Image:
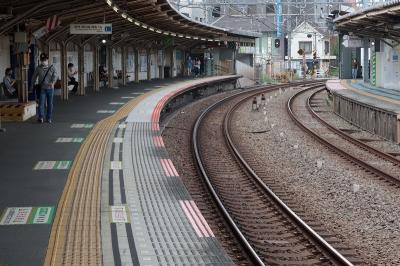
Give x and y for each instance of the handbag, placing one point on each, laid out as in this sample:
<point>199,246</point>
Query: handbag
<point>37,89</point>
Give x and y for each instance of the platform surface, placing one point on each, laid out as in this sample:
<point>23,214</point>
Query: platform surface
<point>148,217</point>
<point>166,225</point>
<point>357,90</point>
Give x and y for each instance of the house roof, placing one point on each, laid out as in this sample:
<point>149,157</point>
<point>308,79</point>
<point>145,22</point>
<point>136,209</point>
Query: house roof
<point>306,24</point>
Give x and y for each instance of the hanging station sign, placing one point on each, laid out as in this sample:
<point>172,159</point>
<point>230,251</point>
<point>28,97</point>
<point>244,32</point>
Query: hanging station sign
<point>90,28</point>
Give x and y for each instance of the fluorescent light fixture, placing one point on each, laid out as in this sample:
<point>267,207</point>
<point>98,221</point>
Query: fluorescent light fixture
<point>216,40</point>
<point>210,40</point>
<point>195,37</point>
<point>150,28</point>
<point>166,33</point>
<point>181,36</point>
<point>144,26</point>
<point>124,15</point>
<point>158,31</point>
<point>115,9</point>
<point>188,37</point>
<point>109,2</point>
<point>173,34</point>
<point>137,23</point>
<point>203,39</point>
<point>130,19</point>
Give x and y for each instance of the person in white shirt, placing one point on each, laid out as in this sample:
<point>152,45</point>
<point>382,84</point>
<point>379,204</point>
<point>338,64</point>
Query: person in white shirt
<point>10,84</point>
<point>71,76</point>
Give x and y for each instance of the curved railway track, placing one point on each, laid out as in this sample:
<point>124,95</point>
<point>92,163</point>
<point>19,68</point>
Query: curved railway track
<point>380,164</point>
<point>267,228</point>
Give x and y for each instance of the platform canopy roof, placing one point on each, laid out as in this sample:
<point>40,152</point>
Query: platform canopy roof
<point>379,21</point>
<point>138,21</point>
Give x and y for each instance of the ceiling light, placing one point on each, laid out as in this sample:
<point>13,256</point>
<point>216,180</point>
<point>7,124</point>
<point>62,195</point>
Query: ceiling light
<point>109,2</point>
<point>103,41</point>
<point>115,9</point>
<point>137,23</point>
<point>130,19</point>
<point>124,15</point>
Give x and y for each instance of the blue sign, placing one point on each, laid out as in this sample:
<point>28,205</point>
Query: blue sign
<point>279,18</point>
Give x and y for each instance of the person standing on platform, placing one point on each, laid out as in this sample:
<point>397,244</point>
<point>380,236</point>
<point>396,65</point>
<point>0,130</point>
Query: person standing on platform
<point>354,68</point>
<point>47,76</point>
<point>71,76</point>
<point>10,84</point>
<point>189,66</point>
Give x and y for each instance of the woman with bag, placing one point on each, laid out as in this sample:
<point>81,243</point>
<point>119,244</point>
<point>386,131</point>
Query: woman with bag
<point>45,88</point>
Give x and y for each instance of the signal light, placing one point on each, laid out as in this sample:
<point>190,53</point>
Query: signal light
<point>277,43</point>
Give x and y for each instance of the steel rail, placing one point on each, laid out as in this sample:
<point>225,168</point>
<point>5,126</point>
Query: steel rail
<point>348,137</point>
<point>335,149</point>
<point>199,162</point>
<point>333,253</point>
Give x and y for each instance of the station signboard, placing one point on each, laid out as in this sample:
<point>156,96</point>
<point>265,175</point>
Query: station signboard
<point>90,28</point>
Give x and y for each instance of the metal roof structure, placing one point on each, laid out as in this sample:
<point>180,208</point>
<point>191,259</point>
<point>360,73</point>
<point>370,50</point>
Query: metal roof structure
<point>379,21</point>
<point>139,21</point>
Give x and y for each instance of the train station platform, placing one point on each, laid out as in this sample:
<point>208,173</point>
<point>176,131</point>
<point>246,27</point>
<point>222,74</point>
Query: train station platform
<point>371,108</point>
<point>97,187</point>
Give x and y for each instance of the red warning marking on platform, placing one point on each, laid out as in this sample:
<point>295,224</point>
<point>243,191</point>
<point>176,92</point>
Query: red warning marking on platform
<point>202,219</point>
<point>195,217</point>
<point>198,232</point>
<point>169,168</point>
<point>158,141</point>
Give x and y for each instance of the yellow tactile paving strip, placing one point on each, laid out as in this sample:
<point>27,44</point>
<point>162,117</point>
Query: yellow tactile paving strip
<point>75,234</point>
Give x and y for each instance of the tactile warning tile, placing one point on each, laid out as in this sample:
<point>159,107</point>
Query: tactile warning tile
<point>156,195</point>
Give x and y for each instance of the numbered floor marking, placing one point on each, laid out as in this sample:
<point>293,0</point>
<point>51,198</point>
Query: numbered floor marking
<point>116,165</point>
<point>52,165</point>
<point>137,93</point>
<point>27,215</point>
<point>81,125</point>
<point>118,140</point>
<point>117,103</point>
<point>69,140</point>
<point>119,214</point>
<point>127,97</point>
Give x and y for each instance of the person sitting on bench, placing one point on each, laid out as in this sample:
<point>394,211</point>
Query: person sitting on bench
<point>9,84</point>
<point>71,76</point>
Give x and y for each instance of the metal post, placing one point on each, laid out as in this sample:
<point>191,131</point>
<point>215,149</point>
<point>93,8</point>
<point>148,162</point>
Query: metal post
<point>136,65</point>
<point>81,69</point>
<point>64,70</point>
<point>124,61</point>
<point>96,82</point>
<point>148,53</point>
<point>110,67</point>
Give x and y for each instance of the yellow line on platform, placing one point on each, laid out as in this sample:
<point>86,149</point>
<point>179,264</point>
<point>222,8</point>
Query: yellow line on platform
<point>75,234</point>
<point>379,97</point>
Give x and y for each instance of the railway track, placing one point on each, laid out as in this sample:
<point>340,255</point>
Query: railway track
<point>268,229</point>
<point>301,107</point>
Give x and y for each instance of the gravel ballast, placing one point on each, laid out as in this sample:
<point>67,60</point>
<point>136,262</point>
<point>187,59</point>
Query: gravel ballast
<point>361,209</point>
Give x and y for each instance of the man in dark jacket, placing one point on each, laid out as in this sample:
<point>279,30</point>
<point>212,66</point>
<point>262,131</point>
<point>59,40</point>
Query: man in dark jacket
<point>47,76</point>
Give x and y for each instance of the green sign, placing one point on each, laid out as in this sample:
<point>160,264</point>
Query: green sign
<point>373,68</point>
